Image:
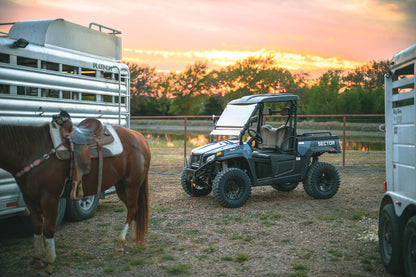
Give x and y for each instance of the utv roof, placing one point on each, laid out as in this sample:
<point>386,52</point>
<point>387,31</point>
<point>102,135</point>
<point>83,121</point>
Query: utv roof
<point>258,98</point>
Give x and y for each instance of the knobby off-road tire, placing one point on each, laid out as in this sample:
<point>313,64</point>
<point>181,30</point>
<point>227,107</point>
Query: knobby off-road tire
<point>191,188</point>
<point>390,237</point>
<point>81,209</point>
<point>321,181</point>
<point>232,188</point>
<point>409,247</point>
<point>285,186</point>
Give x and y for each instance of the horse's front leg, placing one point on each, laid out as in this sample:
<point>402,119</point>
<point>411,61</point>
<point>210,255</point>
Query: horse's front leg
<point>38,243</point>
<point>50,211</point>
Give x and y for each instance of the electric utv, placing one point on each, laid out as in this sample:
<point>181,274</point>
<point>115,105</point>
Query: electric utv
<point>255,154</point>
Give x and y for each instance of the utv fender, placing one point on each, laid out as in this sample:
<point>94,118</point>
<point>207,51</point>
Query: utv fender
<point>246,163</point>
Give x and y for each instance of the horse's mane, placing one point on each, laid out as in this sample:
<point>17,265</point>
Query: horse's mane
<point>25,138</point>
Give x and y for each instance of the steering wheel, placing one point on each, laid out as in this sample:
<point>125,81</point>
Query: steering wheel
<point>254,136</point>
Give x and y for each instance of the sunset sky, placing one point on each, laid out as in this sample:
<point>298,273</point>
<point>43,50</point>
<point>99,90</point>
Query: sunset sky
<point>303,35</point>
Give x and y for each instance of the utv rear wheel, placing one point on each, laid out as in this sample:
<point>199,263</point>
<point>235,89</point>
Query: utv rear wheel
<point>285,186</point>
<point>321,181</point>
<point>193,189</point>
<point>232,188</point>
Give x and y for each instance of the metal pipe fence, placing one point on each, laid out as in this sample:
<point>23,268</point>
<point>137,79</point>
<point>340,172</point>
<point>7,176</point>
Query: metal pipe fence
<point>344,118</point>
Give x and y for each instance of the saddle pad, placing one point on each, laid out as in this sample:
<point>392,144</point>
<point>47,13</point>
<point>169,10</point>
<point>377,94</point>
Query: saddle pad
<point>113,149</point>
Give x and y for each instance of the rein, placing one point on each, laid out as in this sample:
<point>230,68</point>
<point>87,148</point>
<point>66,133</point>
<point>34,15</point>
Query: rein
<point>35,163</point>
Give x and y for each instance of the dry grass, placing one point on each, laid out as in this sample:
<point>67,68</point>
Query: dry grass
<point>273,234</point>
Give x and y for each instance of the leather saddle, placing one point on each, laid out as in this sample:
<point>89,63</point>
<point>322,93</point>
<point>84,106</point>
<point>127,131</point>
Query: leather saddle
<point>90,139</point>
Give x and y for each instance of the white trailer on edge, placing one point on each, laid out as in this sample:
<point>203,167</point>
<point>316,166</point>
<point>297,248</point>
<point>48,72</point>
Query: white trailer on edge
<point>397,217</point>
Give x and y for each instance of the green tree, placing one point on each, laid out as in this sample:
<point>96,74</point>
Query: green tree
<point>188,90</point>
<point>322,97</point>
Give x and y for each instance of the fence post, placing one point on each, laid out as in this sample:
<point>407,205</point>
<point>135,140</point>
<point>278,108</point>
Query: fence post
<point>184,139</point>
<point>344,147</point>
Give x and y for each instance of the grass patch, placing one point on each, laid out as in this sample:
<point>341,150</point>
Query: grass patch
<point>227,258</point>
<point>136,262</point>
<point>242,258</point>
<point>300,267</point>
<point>177,269</point>
<point>242,268</point>
<point>335,253</point>
<point>109,268</point>
<point>119,209</point>
<point>191,232</point>
<point>357,216</point>
<point>210,249</point>
<point>169,257</point>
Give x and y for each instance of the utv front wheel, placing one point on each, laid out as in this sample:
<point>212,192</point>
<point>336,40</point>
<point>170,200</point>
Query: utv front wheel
<point>321,181</point>
<point>193,189</point>
<point>232,188</point>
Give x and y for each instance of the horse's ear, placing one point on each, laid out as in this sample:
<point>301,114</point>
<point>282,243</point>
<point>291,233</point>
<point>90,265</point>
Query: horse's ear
<point>65,114</point>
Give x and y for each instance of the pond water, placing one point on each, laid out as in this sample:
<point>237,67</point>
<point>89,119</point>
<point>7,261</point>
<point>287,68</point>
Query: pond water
<point>365,143</point>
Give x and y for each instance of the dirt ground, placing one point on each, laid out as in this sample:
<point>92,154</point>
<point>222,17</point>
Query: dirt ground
<point>273,234</point>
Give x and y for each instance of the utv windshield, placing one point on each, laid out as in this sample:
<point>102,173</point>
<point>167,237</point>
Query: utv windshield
<point>233,119</point>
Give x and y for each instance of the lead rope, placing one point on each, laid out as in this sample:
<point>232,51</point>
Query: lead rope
<point>36,162</point>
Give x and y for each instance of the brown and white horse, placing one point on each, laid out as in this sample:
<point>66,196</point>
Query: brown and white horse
<point>43,184</point>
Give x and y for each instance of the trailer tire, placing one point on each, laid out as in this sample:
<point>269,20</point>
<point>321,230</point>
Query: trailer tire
<point>409,247</point>
<point>232,188</point>
<point>285,186</point>
<point>193,189</point>
<point>81,209</point>
<point>390,237</point>
<point>322,180</point>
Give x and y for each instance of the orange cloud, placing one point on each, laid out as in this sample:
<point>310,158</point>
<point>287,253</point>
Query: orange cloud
<point>177,60</point>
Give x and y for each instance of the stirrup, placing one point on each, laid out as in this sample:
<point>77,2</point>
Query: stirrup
<point>77,193</point>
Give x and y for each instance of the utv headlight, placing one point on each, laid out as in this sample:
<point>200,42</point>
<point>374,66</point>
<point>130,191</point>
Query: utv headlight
<point>210,158</point>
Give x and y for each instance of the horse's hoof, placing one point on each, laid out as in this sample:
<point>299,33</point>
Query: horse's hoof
<point>118,253</point>
<point>42,273</point>
<point>35,263</point>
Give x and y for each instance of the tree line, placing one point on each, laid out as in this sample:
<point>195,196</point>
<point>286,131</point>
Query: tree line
<point>200,91</point>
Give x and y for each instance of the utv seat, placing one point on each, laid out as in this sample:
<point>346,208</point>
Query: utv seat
<point>275,138</point>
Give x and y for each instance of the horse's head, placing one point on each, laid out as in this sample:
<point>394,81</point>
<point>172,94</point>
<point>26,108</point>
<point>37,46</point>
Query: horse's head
<point>63,119</point>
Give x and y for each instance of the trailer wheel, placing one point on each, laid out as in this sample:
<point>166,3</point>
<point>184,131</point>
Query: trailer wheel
<point>232,188</point>
<point>321,181</point>
<point>81,209</point>
<point>285,186</point>
<point>390,235</point>
<point>193,189</point>
<point>409,247</point>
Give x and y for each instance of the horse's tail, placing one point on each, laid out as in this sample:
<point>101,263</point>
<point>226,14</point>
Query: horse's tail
<point>142,214</point>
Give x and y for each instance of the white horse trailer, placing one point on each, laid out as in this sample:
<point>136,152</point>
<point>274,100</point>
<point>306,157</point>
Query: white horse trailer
<point>397,217</point>
<point>50,65</point>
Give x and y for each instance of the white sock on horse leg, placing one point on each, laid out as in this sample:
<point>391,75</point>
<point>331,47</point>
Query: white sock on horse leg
<point>50,250</point>
<point>38,245</point>
<point>123,234</point>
